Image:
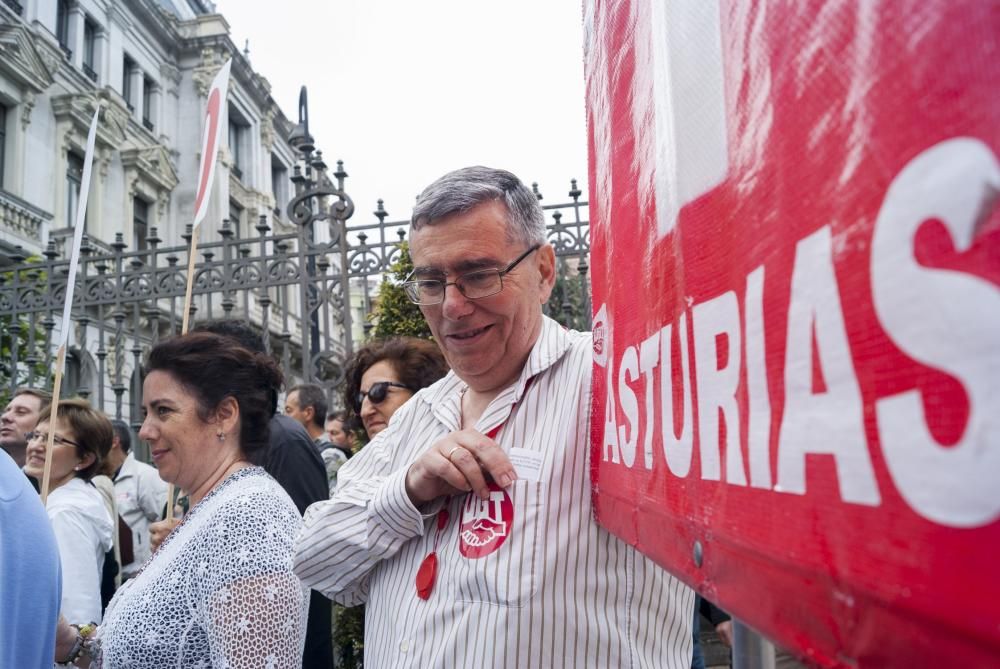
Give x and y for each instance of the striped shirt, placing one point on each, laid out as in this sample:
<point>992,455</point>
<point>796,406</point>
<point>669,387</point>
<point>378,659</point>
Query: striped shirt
<point>557,591</point>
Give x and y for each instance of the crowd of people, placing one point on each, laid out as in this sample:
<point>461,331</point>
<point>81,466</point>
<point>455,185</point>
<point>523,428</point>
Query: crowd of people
<point>464,524</point>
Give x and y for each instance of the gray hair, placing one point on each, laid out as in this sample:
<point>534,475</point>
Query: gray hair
<point>459,191</point>
<point>311,395</point>
<point>124,434</point>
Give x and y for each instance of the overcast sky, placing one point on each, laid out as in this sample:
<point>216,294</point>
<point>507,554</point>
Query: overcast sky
<point>405,91</point>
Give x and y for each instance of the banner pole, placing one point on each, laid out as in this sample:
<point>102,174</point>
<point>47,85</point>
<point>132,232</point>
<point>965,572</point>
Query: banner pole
<point>192,252</point>
<point>53,418</point>
<point>750,649</point>
<point>74,263</point>
<point>185,322</point>
<point>214,115</point>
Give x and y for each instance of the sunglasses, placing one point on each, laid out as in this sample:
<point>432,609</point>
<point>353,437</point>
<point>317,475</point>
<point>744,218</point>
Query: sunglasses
<point>377,393</point>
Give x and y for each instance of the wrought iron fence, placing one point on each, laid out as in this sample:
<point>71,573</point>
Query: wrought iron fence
<point>301,288</point>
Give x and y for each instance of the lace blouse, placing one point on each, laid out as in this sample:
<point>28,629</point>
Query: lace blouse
<point>220,591</point>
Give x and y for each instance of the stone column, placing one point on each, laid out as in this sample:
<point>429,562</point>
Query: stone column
<point>42,12</point>
<point>64,132</point>
<point>119,25</point>
<point>155,102</point>
<point>135,77</point>
<point>102,55</point>
<point>75,33</point>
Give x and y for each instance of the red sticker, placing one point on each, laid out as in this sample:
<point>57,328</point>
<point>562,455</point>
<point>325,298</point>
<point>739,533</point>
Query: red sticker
<point>486,523</point>
<point>426,576</point>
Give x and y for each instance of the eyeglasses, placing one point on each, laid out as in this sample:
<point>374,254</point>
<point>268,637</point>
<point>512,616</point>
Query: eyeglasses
<point>377,393</point>
<point>473,285</point>
<point>43,436</point>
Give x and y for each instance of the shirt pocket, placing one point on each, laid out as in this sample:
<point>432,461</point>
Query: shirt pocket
<point>497,552</point>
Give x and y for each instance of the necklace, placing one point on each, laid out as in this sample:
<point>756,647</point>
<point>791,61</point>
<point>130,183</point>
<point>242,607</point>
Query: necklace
<point>461,407</point>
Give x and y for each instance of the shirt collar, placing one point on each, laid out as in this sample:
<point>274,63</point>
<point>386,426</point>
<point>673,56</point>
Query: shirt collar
<point>444,396</point>
<point>128,467</point>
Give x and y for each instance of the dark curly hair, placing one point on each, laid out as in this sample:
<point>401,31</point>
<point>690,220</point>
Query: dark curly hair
<point>417,362</point>
<point>245,335</point>
<point>212,369</point>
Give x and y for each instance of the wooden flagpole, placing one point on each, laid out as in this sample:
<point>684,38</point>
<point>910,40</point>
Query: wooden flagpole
<point>206,178</point>
<point>74,263</point>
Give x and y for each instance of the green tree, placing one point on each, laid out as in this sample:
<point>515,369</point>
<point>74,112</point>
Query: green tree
<point>393,313</point>
<point>567,304</point>
<point>15,334</point>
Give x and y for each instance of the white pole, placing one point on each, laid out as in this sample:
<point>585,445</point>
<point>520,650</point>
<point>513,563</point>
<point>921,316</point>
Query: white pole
<point>750,649</point>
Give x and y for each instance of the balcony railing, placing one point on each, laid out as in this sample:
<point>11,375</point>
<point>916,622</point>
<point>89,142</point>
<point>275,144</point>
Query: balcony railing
<point>89,71</point>
<point>147,124</point>
<point>21,218</point>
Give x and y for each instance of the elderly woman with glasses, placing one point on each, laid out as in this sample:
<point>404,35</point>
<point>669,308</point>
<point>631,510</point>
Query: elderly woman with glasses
<point>79,518</point>
<point>219,591</point>
<point>383,374</point>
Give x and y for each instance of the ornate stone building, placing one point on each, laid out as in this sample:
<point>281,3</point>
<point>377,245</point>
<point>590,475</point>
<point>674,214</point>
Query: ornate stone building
<point>149,64</point>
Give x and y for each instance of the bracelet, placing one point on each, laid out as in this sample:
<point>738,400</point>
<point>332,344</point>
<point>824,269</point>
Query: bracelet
<point>74,652</point>
<point>81,645</point>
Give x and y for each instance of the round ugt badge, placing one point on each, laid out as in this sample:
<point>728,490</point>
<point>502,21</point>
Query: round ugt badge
<point>485,523</point>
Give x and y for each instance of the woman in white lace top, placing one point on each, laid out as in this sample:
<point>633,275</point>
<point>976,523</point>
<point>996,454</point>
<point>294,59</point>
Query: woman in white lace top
<point>219,591</point>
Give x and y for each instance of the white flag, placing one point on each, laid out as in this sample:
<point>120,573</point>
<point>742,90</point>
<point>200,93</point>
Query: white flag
<point>210,141</point>
<point>81,217</point>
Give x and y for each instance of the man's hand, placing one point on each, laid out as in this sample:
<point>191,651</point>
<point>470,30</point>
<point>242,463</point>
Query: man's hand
<point>725,632</point>
<point>459,462</point>
<point>159,530</point>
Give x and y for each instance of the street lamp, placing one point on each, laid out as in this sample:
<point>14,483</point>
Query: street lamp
<point>316,199</point>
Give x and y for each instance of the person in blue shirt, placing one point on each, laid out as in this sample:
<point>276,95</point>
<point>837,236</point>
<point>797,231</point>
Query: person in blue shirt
<point>30,575</point>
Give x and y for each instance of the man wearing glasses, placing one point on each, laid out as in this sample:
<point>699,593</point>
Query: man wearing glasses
<point>466,524</point>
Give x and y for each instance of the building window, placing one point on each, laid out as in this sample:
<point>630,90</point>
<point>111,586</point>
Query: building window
<point>147,103</point>
<point>236,219</point>
<point>3,142</point>
<point>73,378</point>
<point>140,223</point>
<point>62,24</point>
<point>237,142</point>
<point>89,48</point>
<point>74,177</point>
<point>128,65</point>
<point>279,185</point>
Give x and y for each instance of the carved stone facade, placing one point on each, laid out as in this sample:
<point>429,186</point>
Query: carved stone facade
<point>147,64</point>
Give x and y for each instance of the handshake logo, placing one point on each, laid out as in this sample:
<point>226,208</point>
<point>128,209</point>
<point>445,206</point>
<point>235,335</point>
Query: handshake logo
<point>486,523</point>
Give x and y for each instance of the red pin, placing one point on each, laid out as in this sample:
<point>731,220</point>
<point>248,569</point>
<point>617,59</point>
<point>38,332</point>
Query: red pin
<point>427,573</point>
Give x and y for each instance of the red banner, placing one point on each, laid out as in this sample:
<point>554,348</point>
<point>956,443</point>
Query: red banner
<point>796,272</point>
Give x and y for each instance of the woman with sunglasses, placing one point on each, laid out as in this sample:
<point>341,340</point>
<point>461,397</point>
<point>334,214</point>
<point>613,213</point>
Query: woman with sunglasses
<point>75,508</point>
<point>383,374</point>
